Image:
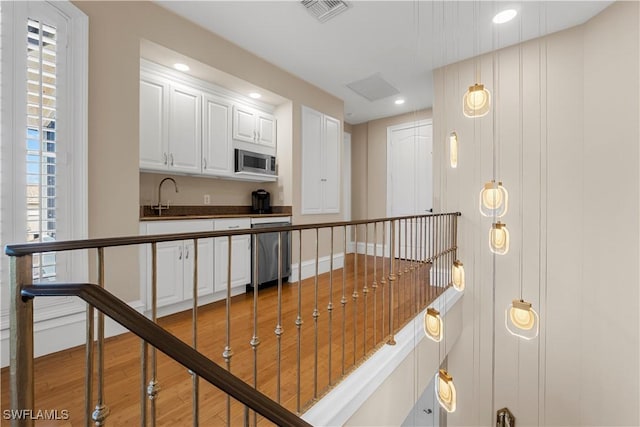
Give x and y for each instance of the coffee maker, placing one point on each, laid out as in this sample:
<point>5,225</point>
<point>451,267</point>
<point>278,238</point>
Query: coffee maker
<point>260,202</point>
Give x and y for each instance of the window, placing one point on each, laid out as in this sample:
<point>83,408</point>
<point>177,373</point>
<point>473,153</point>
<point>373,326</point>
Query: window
<point>41,143</point>
<point>43,189</point>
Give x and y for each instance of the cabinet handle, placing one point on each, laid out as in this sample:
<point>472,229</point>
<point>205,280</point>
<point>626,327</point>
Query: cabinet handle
<point>180,253</point>
<point>323,179</point>
<point>164,156</point>
<point>204,162</point>
<point>187,255</point>
<point>258,136</point>
<point>171,155</point>
<point>255,137</point>
<point>233,226</point>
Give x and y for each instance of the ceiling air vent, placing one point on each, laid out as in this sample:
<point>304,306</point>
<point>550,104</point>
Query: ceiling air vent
<point>324,10</point>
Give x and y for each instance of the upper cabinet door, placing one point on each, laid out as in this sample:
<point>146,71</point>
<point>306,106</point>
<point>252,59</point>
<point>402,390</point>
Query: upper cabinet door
<point>266,128</point>
<point>154,104</point>
<point>244,124</point>
<point>254,126</point>
<point>184,129</point>
<point>331,165</point>
<point>217,151</point>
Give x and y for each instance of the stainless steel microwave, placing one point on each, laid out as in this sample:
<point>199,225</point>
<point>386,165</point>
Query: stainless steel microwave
<point>248,161</point>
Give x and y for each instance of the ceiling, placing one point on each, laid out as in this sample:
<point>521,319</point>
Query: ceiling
<point>400,41</point>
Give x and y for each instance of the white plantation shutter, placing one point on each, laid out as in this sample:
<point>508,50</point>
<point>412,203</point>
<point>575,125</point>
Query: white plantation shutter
<point>41,142</point>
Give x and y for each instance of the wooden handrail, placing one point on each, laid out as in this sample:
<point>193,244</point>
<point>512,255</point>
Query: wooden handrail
<point>68,245</point>
<point>171,346</point>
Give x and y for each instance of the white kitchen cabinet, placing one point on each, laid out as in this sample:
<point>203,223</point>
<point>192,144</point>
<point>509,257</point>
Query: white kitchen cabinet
<point>240,254</point>
<point>169,274</point>
<point>154,107</point>
<point>185,137</point>
<point>254,126</point>
<point>217,151</point>
<point>170,126</point>
<point>175,262</point>
<point>206,251</point>
<point>320,163</point>
<point>189,126</point>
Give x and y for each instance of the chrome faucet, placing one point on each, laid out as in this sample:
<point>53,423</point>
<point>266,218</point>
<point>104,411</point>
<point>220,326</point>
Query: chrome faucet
<point>160,207</point>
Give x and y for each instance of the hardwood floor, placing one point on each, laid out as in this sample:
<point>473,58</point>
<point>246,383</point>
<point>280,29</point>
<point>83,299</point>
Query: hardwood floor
<point>342,336</point>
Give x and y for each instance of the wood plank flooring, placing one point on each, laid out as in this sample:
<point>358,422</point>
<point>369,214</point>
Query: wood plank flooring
<point>342,336</point>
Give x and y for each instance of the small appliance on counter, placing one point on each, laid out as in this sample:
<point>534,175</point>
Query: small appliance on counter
<point>260,202</point>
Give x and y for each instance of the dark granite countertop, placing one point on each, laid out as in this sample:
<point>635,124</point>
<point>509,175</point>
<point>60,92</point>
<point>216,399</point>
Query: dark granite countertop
<point>208,212</point>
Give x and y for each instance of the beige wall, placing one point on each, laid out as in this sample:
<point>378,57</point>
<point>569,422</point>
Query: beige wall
<point>347,127</point>
<point>115,31</point>
<point>574,206</point>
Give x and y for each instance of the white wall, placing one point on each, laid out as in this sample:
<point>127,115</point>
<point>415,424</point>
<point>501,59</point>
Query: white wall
<point>574,220</point>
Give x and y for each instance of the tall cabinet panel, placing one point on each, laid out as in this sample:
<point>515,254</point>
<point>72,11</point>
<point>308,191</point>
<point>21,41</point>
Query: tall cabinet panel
<point>331,165</point>
<point>320,163</point>
<point>217,152</point>
<point>184,129</point>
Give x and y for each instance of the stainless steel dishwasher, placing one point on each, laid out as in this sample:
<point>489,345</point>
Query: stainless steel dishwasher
<point>268,252</point>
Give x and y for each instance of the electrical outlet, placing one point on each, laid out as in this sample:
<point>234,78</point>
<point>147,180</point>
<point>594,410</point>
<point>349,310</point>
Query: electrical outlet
<point>207,199</point>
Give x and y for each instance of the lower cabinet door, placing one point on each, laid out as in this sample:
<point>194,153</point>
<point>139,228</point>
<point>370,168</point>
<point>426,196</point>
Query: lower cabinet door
<point>240,261</point>
<point>169,274</point>
<point>205,267</point>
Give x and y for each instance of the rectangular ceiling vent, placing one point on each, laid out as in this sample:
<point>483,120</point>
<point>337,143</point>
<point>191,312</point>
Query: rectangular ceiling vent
<point>373,88</point>
<point>324,10</point>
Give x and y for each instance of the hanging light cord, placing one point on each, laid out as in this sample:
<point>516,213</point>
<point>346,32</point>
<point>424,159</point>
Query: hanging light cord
<point>539,196</point>
<point>546,216</point>
<point>521,123</point>
<point>495,71</point>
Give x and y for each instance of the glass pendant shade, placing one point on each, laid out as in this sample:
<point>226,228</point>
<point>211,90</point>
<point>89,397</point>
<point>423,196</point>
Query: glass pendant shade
<point>476,101</point>
<point>521,320</point>
<point>499,238</point>
<point>433,326</point>
<point>457,275</point>
<point>445,391</point>
<point>453,149</point>
<point>494,199</point>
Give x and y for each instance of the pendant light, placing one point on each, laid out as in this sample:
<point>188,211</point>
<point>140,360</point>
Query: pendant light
<point>433,326</point>
<point>445,391</point>
<point>521,319</point>
<point>476,101</point>
<point>499,238</point>
<point>457,275</point>
<point>453,149</point>
<point>494,199</point>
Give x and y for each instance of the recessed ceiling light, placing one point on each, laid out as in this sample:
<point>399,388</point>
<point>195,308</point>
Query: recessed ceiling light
<point>255,95</point>
<point>504,16</point>
<point>181,67</point>
<point>399,101</point>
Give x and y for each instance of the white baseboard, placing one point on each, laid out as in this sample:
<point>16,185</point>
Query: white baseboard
<point>371,247</point>
<point>309,266</point>
<point>52,335</point>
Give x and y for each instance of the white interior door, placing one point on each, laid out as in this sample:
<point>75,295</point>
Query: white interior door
<point>409,179</point>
